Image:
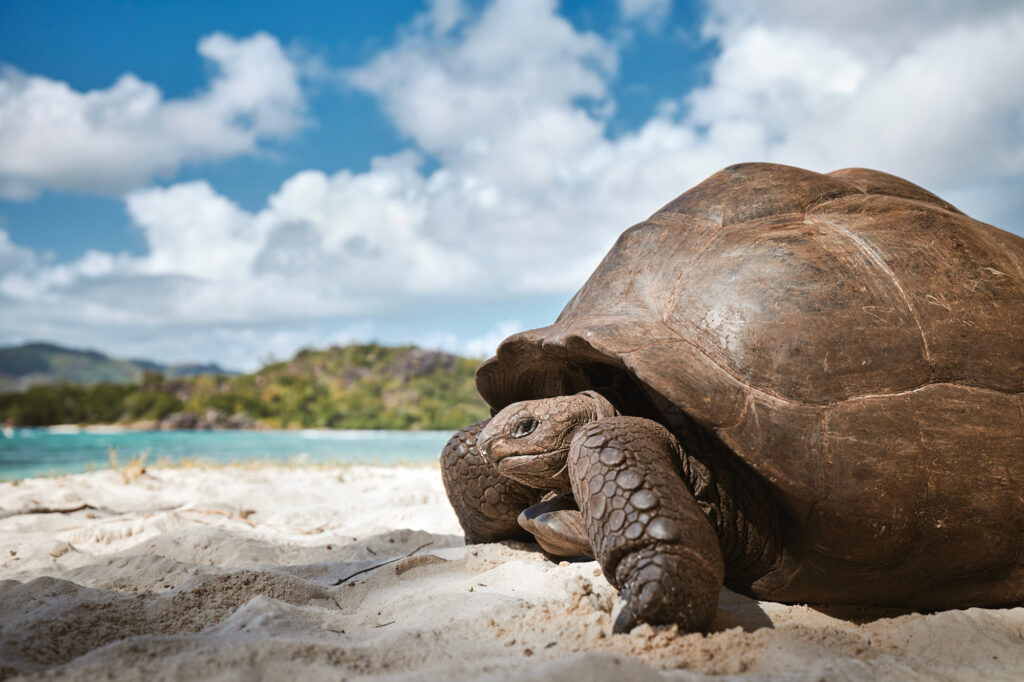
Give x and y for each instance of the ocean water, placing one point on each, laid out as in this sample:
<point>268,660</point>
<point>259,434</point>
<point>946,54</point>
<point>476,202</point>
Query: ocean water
<point>69,450</point>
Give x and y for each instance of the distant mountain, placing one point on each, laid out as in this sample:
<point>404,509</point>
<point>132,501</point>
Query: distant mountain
<point>360,386</point>
<point>34,364</point>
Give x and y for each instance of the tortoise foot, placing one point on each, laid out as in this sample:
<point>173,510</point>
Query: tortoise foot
<point>558,527</point>
<point>487,503</point>
<point>655,590</point>
<point>648,533</point>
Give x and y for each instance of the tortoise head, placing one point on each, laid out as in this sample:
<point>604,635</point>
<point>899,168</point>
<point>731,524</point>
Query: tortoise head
<point>529,441</point>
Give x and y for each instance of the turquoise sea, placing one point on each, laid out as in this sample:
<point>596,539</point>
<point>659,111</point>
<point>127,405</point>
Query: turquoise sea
<point>68,450</point>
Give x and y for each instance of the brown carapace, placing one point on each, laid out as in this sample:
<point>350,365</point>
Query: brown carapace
<point>807,386</point>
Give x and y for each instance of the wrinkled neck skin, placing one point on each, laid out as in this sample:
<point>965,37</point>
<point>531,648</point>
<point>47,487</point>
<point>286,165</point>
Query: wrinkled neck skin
<point>745,515</point>
<point>742,510</point>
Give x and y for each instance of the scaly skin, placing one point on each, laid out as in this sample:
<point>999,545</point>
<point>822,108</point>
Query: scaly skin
<point>642,522</point>
<point>487,503</point>
<point>650,536</point>
<point>536,456</point>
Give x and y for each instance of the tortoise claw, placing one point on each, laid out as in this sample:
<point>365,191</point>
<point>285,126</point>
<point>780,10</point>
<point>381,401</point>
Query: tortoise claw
<point>627,618</point>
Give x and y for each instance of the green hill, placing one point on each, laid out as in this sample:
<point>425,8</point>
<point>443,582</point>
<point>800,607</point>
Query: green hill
<point>365,386</point>
<point>34,364</point>
<point>43,363</point>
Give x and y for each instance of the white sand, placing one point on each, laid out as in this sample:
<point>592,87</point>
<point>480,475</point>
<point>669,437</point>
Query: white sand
<point>277,573</point>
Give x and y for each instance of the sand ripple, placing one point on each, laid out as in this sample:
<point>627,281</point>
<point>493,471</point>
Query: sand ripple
<point>273,573</point>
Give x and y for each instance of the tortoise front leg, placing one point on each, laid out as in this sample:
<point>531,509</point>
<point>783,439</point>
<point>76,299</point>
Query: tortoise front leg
<point>487,503</point>
<point>650,537</point>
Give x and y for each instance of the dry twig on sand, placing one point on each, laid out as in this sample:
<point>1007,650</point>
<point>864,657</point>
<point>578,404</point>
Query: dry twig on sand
<point>382,563</point>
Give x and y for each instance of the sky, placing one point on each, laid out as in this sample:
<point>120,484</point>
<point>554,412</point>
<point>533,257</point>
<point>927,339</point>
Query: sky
<point>193,181</point>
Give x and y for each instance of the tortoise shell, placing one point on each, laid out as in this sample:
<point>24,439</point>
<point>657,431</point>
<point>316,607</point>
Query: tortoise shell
<point>850,337</point>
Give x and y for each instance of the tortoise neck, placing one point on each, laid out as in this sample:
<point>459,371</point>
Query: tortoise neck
<point>741,509</point>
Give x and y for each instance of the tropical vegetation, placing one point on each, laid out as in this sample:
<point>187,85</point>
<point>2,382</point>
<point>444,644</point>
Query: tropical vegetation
<point>365,386</point>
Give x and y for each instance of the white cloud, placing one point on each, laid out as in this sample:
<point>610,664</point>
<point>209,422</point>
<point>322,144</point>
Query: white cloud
<point>485,345</point>
<point>482,346</point>
<point>193,231</point>
<point>509,78</point>
<point>651,13</point>
<point>873,26</point>
<point>530,190</point>
<point>925,94</point>
<point>14,258</point>
<point>116,139</point>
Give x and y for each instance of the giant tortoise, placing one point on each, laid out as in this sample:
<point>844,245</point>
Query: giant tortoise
<point>807,386</point>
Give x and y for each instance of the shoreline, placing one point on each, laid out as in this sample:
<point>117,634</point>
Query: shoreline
<point>328,572</point>
<point>40,452</point>
<point>144,426</point>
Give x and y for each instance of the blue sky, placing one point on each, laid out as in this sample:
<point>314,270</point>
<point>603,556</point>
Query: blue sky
<point>91,45</point>
<point>191,181</point>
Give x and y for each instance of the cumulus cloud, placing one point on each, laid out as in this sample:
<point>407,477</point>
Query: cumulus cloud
<point>924,94</point>
<point>528,189</point>
<point>650,13</point>
<point>116,139</point>
<point>482,346</point>
<point>501,87</point>
<point>14,258</point>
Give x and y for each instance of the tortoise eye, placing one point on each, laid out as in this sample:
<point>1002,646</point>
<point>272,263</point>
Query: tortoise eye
<point>524,428</point>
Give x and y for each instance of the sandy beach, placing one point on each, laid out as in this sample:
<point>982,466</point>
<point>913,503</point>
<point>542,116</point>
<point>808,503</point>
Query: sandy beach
<point>361,573</point>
